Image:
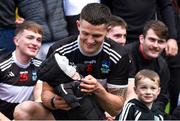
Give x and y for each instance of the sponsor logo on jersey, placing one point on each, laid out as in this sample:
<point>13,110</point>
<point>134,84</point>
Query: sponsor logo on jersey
<point>23,76</point>
<point>105,66</point>
<point>34,76</point>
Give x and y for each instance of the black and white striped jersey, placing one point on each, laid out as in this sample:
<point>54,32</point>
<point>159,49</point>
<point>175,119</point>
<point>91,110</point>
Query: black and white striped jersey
<point>16,80</point>
<point>109,65</point>
<point>135,110</point>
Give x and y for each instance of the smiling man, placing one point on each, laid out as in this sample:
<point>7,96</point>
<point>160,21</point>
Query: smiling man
<point>18,69</point>
<point>146,54</point>
<point>105,71</point>
<point>106,63</point>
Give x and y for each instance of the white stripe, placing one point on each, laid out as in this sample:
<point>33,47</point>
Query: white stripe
<point>162,119</point>
<point>6,64</point>
<point>107,44</point>
<point>62,86</point>
<point>37,61</point>
<point>116,86</point>
<point>70,51</point>
<point>65,46</point>
<point>113,60</point>
<point>137,117</point>
<point>125,111</point>
<point>110,57</point>
<point>113,53</point>
<point>68,48</point>
<point>9,60</point>
<point>15,94</point>
<point>6,67</point>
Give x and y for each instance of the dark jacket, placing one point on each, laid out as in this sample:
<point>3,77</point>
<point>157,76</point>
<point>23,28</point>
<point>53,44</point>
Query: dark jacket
<point>136,110</point>
<point>49,14</point>
<point>7,13</point>
<point>137,12</point>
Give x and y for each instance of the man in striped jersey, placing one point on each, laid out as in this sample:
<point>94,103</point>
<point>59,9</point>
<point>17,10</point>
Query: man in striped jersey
<point>105,77</point>
<point>18,69</point>
<point>106,73</point>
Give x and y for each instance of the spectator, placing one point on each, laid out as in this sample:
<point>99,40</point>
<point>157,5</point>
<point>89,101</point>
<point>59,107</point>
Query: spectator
<point>100,56</point>
<point>18,69</point>
<point>117,30</point>
<point>174,63</point>
<point>137,13</point>
<point>147,88</point>
<point>146,54</point>
<point>72,9</point>
<point>49,14</point>
<point>7,25</point>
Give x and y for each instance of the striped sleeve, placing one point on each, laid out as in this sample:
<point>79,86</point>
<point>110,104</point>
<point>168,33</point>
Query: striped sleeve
<point>127,112</point>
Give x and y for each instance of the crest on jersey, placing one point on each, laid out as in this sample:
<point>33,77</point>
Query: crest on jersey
<point>23,76</point>
<point>34,76</point>
<point>105,66</point>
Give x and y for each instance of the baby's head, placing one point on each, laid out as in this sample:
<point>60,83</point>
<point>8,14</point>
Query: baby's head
<point>147,86</point>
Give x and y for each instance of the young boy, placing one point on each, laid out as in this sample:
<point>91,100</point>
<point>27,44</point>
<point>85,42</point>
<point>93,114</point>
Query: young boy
<point>147,88</point>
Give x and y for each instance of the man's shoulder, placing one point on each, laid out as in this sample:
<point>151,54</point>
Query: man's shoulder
<point>132,46</point>
<point>5,57</point>
<point>66,42</point>
<point>63,41</point>
<point>36,62</point>
<point>114,47</point>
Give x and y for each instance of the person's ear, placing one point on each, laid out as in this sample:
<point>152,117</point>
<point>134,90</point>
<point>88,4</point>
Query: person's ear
<point>141,38</point>
<point>135,89</point>
<point>78,24</point>
<point>159,90</point>
<point>16,40</point>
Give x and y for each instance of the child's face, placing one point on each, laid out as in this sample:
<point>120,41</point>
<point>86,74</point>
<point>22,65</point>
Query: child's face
<point>147,90</point>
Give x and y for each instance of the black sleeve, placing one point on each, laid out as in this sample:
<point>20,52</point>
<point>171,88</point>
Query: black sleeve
<point>127,113</point>
<point>119,72</point>
<point>163,97</point>
<point>50,51</point>
<point>167,14</point>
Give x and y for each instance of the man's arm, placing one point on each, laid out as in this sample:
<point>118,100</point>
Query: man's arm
<point>48,94</point>
<point>166,10</point>
<point>112,101</point>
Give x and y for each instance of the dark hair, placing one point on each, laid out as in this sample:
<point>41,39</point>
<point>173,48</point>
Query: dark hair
<point>158,27</point>
<point>146,73</point>
<point>96,14</point>
<point>117,21</point>
<point>29,25</point>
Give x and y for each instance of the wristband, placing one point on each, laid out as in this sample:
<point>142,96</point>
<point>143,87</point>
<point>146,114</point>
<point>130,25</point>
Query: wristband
<point>52,102</point>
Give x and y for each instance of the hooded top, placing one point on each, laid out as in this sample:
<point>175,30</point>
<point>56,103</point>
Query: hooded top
<point>137,110</point>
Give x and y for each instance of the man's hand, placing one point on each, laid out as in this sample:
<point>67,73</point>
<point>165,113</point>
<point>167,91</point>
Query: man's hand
<point>89,84</point>
<point>171,48</point>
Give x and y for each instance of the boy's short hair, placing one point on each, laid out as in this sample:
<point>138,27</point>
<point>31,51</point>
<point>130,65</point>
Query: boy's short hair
<point>96,14</point>
<point>146,73</point>
<point>158,27</point>
<point>117,21</point>
<point>29,25</point>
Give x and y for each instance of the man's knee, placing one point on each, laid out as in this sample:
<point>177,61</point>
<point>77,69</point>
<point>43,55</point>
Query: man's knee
<point>24,110</point>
